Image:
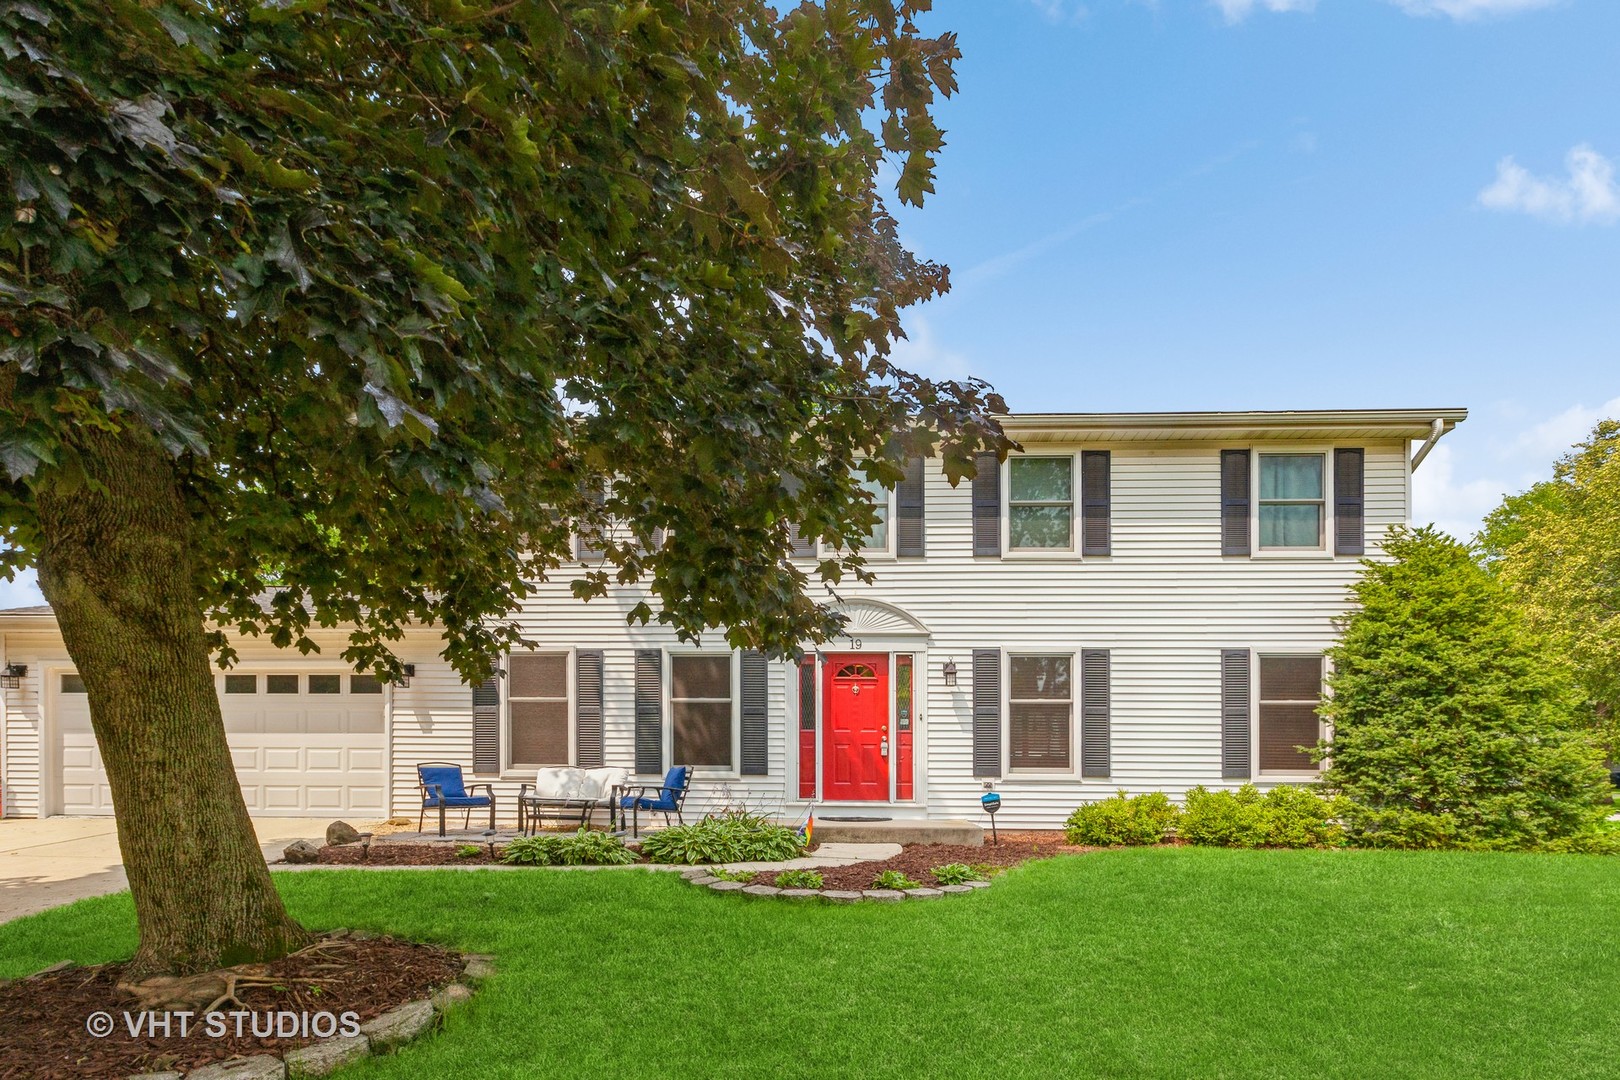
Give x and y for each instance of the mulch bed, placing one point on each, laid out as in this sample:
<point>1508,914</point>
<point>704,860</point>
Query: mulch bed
<point>406,855</point>
<point>43,1033</point>
<point>916,860</point>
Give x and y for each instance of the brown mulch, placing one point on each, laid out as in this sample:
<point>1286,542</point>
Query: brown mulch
<point>43,1033</point>
<point>917,860</point>
<point>405,855</point>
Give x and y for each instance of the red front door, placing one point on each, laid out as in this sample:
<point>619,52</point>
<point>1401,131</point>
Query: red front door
<point>855,747</point>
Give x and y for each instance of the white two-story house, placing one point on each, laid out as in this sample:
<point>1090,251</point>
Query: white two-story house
<point>1136,601</point>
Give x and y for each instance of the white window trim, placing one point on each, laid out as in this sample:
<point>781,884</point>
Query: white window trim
<point>1306,554</point>
<point>1073,771</point>
<point>704,772</point>
<point>509,771</point>
<point>886,553</point>
<point>1281,776</point>
<point>1066,554</point>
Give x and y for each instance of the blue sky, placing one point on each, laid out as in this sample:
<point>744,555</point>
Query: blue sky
<point>1192,204</point>
<point>1237,204</point>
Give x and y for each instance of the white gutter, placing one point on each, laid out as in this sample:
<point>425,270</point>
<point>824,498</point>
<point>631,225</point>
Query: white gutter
<point>1436,429</point>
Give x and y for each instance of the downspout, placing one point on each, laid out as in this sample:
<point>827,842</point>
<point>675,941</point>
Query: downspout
<point>1436,429</point>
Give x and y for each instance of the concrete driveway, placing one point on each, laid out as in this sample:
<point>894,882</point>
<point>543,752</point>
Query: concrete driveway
<point>51,861</point>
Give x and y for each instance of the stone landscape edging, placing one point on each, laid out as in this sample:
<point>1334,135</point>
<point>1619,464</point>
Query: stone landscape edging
<point>701,877</point>
<point>387,1032</point>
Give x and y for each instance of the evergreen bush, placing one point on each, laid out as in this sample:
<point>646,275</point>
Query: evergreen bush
<point>1454,723</point>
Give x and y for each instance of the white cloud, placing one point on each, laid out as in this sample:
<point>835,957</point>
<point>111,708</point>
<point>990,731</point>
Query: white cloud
<point>1588,195</point>
<point>1466,476</point>
<point>1470,9</point>
<point>922,353</point>
<point>1457,506</point>
<point>1238,10</point>
<point>22,591</point>
<point>1060,12</point>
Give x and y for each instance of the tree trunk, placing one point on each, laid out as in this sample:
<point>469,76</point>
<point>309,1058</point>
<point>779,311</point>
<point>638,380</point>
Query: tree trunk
<point>115,562</point>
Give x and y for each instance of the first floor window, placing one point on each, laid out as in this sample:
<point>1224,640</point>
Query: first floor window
<point>72,684</point>
<point>1040,504</point>
<point>1290,690</point>
<point>1292,497</point>
<point>537,709</point>
<point>700,711</point>
<point>241,684</point>
<point>1040,712</point>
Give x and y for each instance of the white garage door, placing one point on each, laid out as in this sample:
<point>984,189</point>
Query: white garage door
<point>304,744</point>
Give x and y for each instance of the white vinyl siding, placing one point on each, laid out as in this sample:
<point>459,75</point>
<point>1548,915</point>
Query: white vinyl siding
<point>1165,604</point>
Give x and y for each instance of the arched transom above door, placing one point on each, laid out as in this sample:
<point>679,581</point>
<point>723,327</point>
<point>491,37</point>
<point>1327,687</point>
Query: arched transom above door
<point>873,618</point>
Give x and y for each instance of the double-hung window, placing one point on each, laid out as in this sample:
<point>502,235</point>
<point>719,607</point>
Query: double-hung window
<point>1040,503</point>
<point>537,710</point>
<point>877,540</point>
<point>1040,710</point>
<point>1290,691</point>
<point>1293,498</point>
<point>702,718</point>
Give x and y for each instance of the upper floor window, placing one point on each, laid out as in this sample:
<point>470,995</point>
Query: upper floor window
<point>1040,503</point>
<point>878,538</point>
<point>1293,498</point>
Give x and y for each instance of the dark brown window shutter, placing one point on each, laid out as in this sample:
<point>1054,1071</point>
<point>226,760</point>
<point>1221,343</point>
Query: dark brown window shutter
<point>908,528</point>
<point>986,712</point>
<point>486,702</point>
<point>1349,501</point>
<point>1096,742</point>
<point>588,545</point>
<point>1234,714</point>
<point>1095,503</point>
<point>649,711</point>
<point>803,547</point>
<point>588,708</point>
<point>1234,502</point>
<point>986,505</point>
<point>755,720</point>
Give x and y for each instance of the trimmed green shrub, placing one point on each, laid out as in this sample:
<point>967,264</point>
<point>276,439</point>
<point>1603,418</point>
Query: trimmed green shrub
<point>1285,816</point>
<point>582,848</point>
<point>1123,820</point>
<point>955,874</point>
<point>894,879</point>
<point>799,879</point>
<point>1455,724</point>
<point>468,851</point>
<point>733,837</point>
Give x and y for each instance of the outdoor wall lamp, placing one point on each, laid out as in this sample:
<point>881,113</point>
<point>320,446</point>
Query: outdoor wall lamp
<point>13,676</point>
<point>949,671</point>
<point>409,674</point>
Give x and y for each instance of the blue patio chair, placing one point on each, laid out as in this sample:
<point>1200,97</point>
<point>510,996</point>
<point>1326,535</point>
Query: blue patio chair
<point>666,798</point>
<point>442,786</point>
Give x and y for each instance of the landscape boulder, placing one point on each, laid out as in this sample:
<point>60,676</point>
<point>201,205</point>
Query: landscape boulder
<point>301,851</point>
<point>341,832</point>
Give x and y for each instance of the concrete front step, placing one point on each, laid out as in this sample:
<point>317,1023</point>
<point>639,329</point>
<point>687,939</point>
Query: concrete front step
<point>901,831</point>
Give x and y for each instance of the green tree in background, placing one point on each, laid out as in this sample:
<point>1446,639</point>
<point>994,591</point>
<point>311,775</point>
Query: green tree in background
<point>368,306</point>
<point>1557,549</point>
<point>1455,722</point>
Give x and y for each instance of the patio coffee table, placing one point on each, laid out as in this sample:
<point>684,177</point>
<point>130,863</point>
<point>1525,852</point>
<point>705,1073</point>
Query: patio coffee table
<point>531,808</point>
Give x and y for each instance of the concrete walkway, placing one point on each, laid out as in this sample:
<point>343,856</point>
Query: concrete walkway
<point>52,861</point>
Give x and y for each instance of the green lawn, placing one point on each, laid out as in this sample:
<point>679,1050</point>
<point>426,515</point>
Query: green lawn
<point>1165,962</point>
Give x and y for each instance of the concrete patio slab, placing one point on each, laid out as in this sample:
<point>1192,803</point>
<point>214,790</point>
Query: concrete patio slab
<point>45,862</point>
